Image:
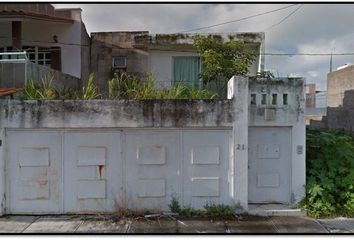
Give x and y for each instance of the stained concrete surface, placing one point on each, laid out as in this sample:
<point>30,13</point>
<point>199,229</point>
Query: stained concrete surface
<point>54,224</point>
<point>165,225</point>
<point>16,224</point>
<point>102,224</point>
<point>297,225</point>
<point>153,226</point>
<point>251,224</point>
<point>338,225</point>
<point>200,226</point>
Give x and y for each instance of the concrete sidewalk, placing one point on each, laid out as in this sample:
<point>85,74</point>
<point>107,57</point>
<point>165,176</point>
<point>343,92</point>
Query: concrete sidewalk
<point>108,224</point>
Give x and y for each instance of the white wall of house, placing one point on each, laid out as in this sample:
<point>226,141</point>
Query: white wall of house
<point>161,65</point>
<point>68,34</point>
<point>40,33</point>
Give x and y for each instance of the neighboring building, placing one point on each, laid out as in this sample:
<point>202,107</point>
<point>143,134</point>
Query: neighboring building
<point>313,110</point>
<point>169,57</point>
<point>338,82</point>
<point>310,95</point>
<point>340,96</point>
<point>55,38</point>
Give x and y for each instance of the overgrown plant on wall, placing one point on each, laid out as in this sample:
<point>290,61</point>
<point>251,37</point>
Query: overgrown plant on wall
<point>47,91</point>
<point>90,91</point>
<point>222,60</point>
<point>265,74</point>
<point>330,174</point>
<point>126,86</point>
<point>43,91</point>
<point>122,86</point>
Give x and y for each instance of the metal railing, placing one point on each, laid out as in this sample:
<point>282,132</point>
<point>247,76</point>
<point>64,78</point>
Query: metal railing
<point>13,57</point>
<point>13,63</point>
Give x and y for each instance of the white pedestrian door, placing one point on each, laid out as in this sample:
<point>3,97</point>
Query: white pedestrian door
<point>269,170</point>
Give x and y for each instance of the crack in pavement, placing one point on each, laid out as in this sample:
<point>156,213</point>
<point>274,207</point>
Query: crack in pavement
<point>37,218</point>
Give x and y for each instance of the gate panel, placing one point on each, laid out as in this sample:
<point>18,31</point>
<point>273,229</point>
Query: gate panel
<point>93,171</point>
<point>102,171</point>
<point>206,164</point>
<point>269,165</point>
<point>152,168</point>
<point>34,172</point>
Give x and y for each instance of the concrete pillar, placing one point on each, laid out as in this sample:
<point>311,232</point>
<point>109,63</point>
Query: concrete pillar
<point>2,174</point>
<point>298,169</point>
<point>238,91</point>
<point>17,35</point>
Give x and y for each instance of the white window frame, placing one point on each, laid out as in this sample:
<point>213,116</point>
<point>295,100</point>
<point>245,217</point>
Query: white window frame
<point>36,52</point>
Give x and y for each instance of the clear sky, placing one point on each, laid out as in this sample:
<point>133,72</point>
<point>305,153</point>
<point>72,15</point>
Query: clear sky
<point>313,28</point>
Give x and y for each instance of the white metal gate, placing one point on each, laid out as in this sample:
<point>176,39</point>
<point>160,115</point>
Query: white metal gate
<point>88,170</point>
<point>34,172</point>
<point>92,171</point>
<point>269,165</point>
<point>206,168</point>
<point>152,168</point>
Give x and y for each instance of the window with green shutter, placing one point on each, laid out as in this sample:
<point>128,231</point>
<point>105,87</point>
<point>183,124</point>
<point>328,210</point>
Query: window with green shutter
<point>186,70</point>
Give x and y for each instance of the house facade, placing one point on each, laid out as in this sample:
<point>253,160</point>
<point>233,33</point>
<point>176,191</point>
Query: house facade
<point>57,38</point>
<point>51,37</point>
<point>75,156</point>
<point>104,156</point>
<point>171,58</point>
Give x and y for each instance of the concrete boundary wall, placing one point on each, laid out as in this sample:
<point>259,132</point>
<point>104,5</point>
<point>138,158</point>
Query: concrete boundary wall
<point>16,74</point>
<point>245,107</point>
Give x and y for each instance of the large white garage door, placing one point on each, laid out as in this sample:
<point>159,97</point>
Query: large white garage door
<point>67,171</point>
<point>269,165</point>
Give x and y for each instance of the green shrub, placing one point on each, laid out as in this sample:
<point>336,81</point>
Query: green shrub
<point>122,86</point>
<point>177,91</point>
<point>68,93</point>
<point>211,210</point>
<point>90,91</point>
<point>191,212</point>
<point>144,90</point>
<point>174,205</point>
<point>330,174</point>
<point>43,91</point>
<point>31,91</point>
<point>126,86</point>
<point>216,211</point>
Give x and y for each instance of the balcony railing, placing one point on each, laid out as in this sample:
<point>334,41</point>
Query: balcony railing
<point>13,57</point>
